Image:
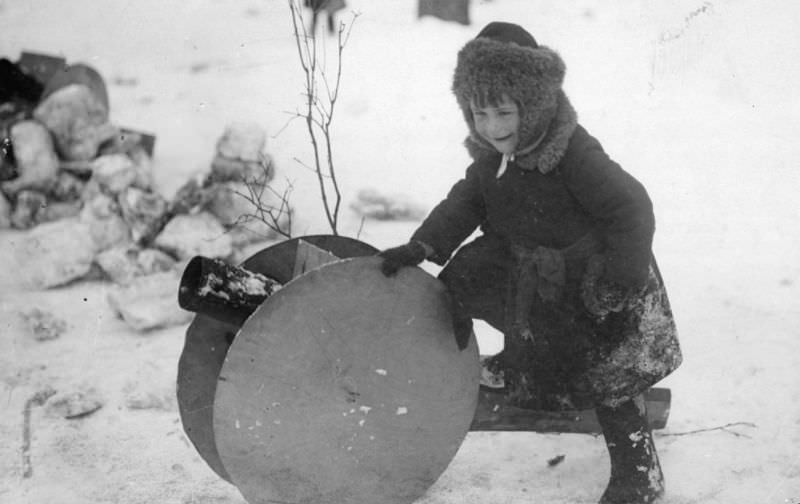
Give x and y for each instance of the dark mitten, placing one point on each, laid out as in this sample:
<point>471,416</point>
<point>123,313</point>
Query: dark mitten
<point>606,297</point>
<point>410,254</point>
<point>600,295</point>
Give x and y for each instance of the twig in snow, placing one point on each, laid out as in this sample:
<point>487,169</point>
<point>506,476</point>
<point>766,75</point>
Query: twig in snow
<point>37,399</point>
<point>724,428</point>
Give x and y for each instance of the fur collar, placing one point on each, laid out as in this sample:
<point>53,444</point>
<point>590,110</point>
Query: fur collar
<point>548,153</point>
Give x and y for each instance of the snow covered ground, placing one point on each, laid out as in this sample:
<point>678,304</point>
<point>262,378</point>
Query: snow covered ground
<point>697,99</point>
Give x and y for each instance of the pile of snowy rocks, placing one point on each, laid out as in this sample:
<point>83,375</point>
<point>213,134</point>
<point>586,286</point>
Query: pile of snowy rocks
<point>85,202</point>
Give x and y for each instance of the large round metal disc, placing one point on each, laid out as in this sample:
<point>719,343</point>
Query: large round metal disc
<point>345,386</point>
<point>203,353</point>
<point>207,344</point>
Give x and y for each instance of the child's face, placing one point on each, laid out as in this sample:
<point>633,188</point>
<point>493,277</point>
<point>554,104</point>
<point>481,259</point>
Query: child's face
<point>498,124</point>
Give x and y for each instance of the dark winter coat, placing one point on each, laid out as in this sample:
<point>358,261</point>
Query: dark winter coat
<point>565,193</point>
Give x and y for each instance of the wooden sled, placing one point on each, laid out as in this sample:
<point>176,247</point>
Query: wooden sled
<point>344,385</point>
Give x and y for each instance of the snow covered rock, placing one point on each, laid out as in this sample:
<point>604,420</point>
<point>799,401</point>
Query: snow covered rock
<point>78,121</point>
<point>75,404</point>
<point>27,208</point>
<point>372,204</point>
<point>149,395</point>
<point>186,236</point>
<point>147,389</point>
<point>154,261</point>
<point>143,211</point>
<point>43,325</point>
<point>81,167</point>
<point>5,212</point>
<point>243,141</point>
<point>116,172</point>
<point>56,210</point>
<point>35,155</point>
<point>56,253</point>
<point>124,263</point>
<point>193,195</point>
<point>68,187</point>
<point>144,169</point>
<point>149,302</point>
<point>91,190</point>
<point>240,155</point>
<point>119,263</point>
<point>235,170</point>
<point>127,142</point>
<point>143,400</point>
<point>106,226</point>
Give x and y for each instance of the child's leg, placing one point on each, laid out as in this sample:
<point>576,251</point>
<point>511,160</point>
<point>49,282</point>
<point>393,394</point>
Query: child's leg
<point>635,471</point>
<point>476,279</point>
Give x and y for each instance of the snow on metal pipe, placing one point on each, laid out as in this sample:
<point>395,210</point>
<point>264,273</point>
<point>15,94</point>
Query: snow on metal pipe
<point>223,291</point>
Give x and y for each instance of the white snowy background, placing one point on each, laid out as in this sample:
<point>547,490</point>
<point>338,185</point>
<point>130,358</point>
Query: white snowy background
<point>696,99</point>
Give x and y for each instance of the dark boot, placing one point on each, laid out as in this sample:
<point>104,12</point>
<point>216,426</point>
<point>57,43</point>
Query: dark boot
<point>636,476</point>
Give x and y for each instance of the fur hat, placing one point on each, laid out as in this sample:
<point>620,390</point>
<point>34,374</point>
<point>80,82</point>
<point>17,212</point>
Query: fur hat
<point>504,59</point>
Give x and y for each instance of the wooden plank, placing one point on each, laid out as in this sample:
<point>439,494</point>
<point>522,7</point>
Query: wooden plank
<point>309,257</point>
<point>494,413</point>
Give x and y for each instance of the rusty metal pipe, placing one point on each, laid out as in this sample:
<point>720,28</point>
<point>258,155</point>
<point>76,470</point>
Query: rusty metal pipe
<point>223,291</point>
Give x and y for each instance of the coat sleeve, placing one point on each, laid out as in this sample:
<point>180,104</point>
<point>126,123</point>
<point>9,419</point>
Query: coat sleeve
<point>623,209</point>
<point>454,219</point>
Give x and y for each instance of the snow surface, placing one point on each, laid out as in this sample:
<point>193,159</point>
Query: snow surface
<point>697,99</point>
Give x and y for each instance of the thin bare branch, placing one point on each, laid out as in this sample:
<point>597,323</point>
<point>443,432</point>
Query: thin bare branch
<point>319,107</point>
<point>361,227</point>
<point>725,428</point>
<point>296,15</point>
<point>294,116</point>
<point>276,218</point>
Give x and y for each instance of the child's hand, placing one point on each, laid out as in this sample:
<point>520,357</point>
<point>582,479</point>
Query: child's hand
<point>600,295</point>
<point>604,297</point>
<point>410,254</point>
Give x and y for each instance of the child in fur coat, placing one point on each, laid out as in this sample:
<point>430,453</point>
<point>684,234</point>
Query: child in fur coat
<point>563,266</point>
